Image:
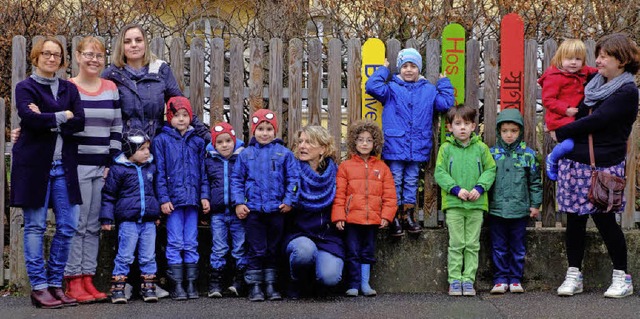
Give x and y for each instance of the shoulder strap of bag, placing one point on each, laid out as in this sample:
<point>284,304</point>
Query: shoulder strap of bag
<point>592,158</point>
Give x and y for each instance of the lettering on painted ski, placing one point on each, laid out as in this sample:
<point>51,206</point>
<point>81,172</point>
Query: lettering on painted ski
<point>513,85</point>
<point>370,68</point>
<point>369,105</point>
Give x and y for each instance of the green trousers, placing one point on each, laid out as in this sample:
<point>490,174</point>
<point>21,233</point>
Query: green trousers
<point>464,243</point>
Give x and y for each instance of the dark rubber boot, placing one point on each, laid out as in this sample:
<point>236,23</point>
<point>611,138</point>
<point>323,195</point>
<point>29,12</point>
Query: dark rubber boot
<point>254,279</point>
<point>270,279</point>
<point>175,272</point>
<point>237,288</point>
<point>413,227</point>
<point>395,229</point>
<point>192,276</point>
<point>215,280</point>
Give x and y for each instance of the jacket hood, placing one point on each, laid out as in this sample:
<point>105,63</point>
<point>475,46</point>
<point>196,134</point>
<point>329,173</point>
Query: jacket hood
<point>123,160</point>
<point>421,80</point>
<point>473,138</point>
<point>236,150</point>
<point>509,115</point>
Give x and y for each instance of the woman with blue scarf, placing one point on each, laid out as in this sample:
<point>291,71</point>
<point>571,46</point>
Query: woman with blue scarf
<point>314,246</point>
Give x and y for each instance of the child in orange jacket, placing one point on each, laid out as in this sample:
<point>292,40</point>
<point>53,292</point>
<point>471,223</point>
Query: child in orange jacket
<point>365,201</point>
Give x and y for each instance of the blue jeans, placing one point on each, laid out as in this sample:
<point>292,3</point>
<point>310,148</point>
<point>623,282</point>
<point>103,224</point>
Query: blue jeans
<point>223,225</point>
<point>182,236</point>
<point>131,234</point>
<point>304,254</point>
<point>508,247</point>
<point>35,224</point>
<point>361,249</point>
<point>264,237</point>
<point>405,176</point>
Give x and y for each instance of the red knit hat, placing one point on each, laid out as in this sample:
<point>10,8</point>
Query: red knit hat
<point>222,128</point>
<point>176,103</point>
<point>263,115</point>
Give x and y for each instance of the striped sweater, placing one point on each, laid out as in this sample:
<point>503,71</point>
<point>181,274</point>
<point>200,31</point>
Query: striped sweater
<point>101,139</point>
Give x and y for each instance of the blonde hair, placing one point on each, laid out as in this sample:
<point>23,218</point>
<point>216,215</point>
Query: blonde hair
<point>119,59</point>
<point>36,51</point>
<point>570,48</point>
<point>90,41</point>
<point>320,136</point>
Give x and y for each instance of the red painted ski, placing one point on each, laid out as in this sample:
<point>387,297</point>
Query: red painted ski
<point>512,62</point>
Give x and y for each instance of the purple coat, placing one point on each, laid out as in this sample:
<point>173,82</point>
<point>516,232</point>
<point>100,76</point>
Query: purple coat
<point>33,152</point>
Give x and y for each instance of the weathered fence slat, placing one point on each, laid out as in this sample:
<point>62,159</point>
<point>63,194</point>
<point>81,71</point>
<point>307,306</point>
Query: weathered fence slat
<point>432,69</point>
<point>491,61</point>
<point>3,174</point>
<point>196,77</point>
<point>176,58</point>
<point>530,84</point>
<point>354,79</point>
<point>472,76</point>
<point>156,45</point>
<point>335,100</point>
<point>314,102</point>
<point>275,81</point>
<point>431,189</point>
<point>548,210</point>
<point>236,77</point>
<point>393,47</point>
<point>628,216</point>
<point>295,87</point>
<point>216,95</point>
<point>256,74</point>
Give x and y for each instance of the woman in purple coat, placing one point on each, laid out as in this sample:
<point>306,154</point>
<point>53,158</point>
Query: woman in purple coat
<point>45,169</point>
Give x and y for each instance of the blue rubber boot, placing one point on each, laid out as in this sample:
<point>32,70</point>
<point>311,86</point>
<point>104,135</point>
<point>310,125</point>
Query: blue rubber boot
<point>365,272</point>
<point>554,157</point>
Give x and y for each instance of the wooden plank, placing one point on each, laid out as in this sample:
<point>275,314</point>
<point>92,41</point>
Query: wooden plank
<point>627,220</point>
<point>295,87</point>
<point>354,62</point>
<point>275,82</point>
<point>3,175</point>
<point>530,83</point>
<point>196,77</point>
<point>511,62</point>
<point>472,79</point>
<point>432,67</point>
<point>591,52</point>
<point>74,62</point>
<point>431,189</point>
<point>491,62</point>
<point>550,218</point>
<point>17,269</point>
<point>412,43</point>
<point>393,47</point>
<point>216,76</point>
<point>334,81</point>
<point>373,56</point>
<point>236,78</point>
<point>156,45</point>
<point>62,72</point>
<point>314,102</point>
<point>256,74</point>
<point>176,56</point>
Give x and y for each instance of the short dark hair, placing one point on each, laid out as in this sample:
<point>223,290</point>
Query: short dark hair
<point>621,47</point>
<point>464,112</point>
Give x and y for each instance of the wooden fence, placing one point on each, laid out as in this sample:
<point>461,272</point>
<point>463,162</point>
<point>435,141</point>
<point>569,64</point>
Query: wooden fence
<point>327,76</point>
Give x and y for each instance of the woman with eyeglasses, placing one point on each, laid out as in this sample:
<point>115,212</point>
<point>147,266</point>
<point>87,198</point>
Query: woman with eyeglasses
<point>97,145</point>
<point>44,172</point>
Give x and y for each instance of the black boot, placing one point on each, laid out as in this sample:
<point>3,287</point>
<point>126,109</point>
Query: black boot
<point>413,226</point>
<point>148,288</point>
<point>293,289</point>
<point>192,276</point>
<point>395,229</point>
<point>175,272</point>
<point>117,289</point>
<point>254,279</point>
<point>215,278</point>
<point>270,278</point>
<point>237,287</point>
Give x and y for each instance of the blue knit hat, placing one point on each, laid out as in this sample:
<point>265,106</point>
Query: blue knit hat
<point>409,55</point>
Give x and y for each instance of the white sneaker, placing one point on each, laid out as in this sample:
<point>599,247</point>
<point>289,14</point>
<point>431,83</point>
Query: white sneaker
<point>572,283</point>
<point>516,288</point>
<point>499,289</point>
<point>621,285</point>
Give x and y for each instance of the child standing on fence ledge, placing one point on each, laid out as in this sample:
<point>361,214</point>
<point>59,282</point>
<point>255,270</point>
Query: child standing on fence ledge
<point>365,201</point>
<point>515,196</point>
<point>562,90</point>
<point>222,154</point>
<point>264,186</point>
<point>409,102</point>
<point>182,187</point>
<point>129,201</point>
<point>465,171</point>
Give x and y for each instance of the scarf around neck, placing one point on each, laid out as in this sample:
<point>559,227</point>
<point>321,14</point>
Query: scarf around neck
<point>597,89</point>
<point>53,83</point>
<point>317,190</point>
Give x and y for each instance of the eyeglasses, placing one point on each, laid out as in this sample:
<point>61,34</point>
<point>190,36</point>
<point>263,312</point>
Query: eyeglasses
<point>364,141</point>
<point>91,55</point>
<point>48,55</point>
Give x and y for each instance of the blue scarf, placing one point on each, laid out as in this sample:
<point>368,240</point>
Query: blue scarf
<point>317,191</point>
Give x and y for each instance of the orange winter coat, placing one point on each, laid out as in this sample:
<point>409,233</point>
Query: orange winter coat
<point>365,192</point>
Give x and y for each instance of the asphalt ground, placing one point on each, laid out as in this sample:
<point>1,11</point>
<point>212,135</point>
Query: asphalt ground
<point>541,304</point>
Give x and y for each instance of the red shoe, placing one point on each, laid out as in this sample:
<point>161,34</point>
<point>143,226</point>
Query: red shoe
<point>58,293</point>
<point>87,283</point>
<point>43,299</point>
<point>75,289</point>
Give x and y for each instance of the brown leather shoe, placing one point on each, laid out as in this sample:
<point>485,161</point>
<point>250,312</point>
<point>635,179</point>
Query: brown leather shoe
<point>43,299</point>
<point>58,293</point>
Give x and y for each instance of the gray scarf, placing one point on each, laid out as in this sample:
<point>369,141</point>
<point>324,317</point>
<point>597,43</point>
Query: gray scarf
<point>51,82</point>
<point>597,89</point>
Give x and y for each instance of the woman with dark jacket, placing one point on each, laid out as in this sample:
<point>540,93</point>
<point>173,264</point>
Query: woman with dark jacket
<point>312,241</point>
<point>45,169</point>
<point>612,98</point>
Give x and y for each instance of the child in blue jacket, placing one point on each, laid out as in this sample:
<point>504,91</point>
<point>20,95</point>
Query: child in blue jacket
<point>409,102</point>
<point>221,156</point>
<point>129,201</point>
<point>263,187</point>
<point>182,187</point>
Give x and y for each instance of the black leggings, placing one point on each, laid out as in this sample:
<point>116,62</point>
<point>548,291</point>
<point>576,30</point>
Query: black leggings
<point>609,231</point>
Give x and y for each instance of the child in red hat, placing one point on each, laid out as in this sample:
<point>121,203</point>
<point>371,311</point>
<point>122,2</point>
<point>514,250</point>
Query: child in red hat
<point>263,186</point>
<point>182,187</point>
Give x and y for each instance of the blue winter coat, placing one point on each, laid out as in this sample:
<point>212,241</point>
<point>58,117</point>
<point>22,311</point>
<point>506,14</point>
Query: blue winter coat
<point>143,100</point>
<point>181,177</point>
<point>219,170</point>
<point>407,116</point>
<point>264,177</point>
<point>128,193</point>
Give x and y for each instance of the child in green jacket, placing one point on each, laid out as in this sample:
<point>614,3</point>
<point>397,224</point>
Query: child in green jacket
<point>515,197</point>
<point>464,171</point>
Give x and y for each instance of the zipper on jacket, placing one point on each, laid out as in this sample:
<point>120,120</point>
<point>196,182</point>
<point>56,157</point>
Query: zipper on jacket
<point>366,187</point>
<point>479,166</point>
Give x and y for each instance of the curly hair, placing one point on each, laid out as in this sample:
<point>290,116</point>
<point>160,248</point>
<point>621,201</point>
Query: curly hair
<point>365,126</point>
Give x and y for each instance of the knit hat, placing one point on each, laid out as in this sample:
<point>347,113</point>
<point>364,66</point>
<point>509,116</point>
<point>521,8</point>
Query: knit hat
<point>132,140</point>
<point>409,55</point>
<point>263,115</point>
<point>222,128</point>
<point>176,103</point>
